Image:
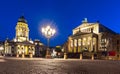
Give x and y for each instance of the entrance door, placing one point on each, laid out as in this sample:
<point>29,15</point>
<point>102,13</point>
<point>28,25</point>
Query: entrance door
<point>86,54</point>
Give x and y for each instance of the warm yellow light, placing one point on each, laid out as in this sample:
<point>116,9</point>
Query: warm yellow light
<point>84,38</point>
<point>88,43</point>
<point>48,27</point>
<point>49,32</point>
<point>53,31</point>
<point>43,30</point>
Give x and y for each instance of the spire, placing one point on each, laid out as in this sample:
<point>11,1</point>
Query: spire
<point>84,20</point>
<point>22,19</point>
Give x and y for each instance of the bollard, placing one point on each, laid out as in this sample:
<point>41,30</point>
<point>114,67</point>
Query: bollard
<point>17,55</point>
<point>48,55</point>
<point>23,55</point>
<point>65,56</point>
<point>92,56</point>
<point>80,56</point>
<point>31,56</point>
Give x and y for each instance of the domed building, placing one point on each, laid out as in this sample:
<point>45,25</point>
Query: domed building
<point>21,44</point>
<point>22,30</point>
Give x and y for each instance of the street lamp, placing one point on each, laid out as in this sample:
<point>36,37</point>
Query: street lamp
<point>48,32</point>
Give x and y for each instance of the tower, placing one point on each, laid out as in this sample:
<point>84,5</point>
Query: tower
<point>22,30</point>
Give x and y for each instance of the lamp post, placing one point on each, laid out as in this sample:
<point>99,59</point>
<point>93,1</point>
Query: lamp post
<point>48,32</point>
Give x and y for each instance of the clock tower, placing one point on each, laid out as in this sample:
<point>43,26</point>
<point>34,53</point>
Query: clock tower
<point>22,30</point>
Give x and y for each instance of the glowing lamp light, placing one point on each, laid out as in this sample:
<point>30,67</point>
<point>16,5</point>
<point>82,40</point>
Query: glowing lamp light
<point>48,31</point>
<point>1,48</point>
<point>53,31</point>
<point>15,40</point>
<point>43,30</point>
<point>48,27</point>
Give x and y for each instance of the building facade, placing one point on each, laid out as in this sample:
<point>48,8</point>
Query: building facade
<point>91,37</point>
<point>1,48</point>
<point>21,44</point>
<point>40,49</point>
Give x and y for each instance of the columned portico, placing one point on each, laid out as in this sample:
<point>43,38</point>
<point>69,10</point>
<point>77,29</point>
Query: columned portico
<point>87,42</point>
<point>24,49</point>
<point>83,42</point>
<point>93,38</point>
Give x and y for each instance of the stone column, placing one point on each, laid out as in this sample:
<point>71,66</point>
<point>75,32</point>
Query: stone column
<point>48,54</point>
<point>77,46</point>
<point>95,45</point>
<point>80,56</point>
<point>17,55</point>
<point>92,56</point>
<point>31,55</point>
<point>23,55</point>
<point>23,52</point>
<point>65,56</point>
<point>81,45</point>
<point>92,43</point>
<point>73,45</point>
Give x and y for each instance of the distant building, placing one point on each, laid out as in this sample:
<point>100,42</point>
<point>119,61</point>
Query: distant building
<point>92,37</point>
<point>40,49</point>
<point>21,44</point>
<point>1,47</point>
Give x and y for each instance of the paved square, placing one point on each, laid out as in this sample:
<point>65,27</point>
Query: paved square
<point>57,66</point>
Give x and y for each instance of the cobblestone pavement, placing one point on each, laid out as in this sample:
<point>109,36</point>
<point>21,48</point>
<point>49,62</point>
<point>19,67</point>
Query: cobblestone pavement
<point>57,66</point>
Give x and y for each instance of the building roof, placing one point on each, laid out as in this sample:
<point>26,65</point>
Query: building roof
<point>22,19</point>
<point>24,43</point>
<point>107,29</point>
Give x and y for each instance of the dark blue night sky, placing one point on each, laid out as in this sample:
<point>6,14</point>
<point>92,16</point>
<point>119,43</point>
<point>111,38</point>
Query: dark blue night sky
<point>64,15</point>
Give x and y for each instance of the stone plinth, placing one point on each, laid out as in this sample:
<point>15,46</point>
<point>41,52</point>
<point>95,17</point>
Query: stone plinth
<point>92,57</point>
<point>80,56</point>
<point>31,55</point>
<point>17,55</point>
<point>65,56</point>
<point>23,55</point>
<point>48,55</point>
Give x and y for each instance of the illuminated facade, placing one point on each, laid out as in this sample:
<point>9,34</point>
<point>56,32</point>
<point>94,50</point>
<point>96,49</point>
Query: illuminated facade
<point>22,30</point>
<point>92,37</point>
<point>1,47</point>
<point>21,44</point>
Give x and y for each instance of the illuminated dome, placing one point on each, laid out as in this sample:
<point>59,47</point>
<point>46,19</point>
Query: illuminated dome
<point>22,19</point>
